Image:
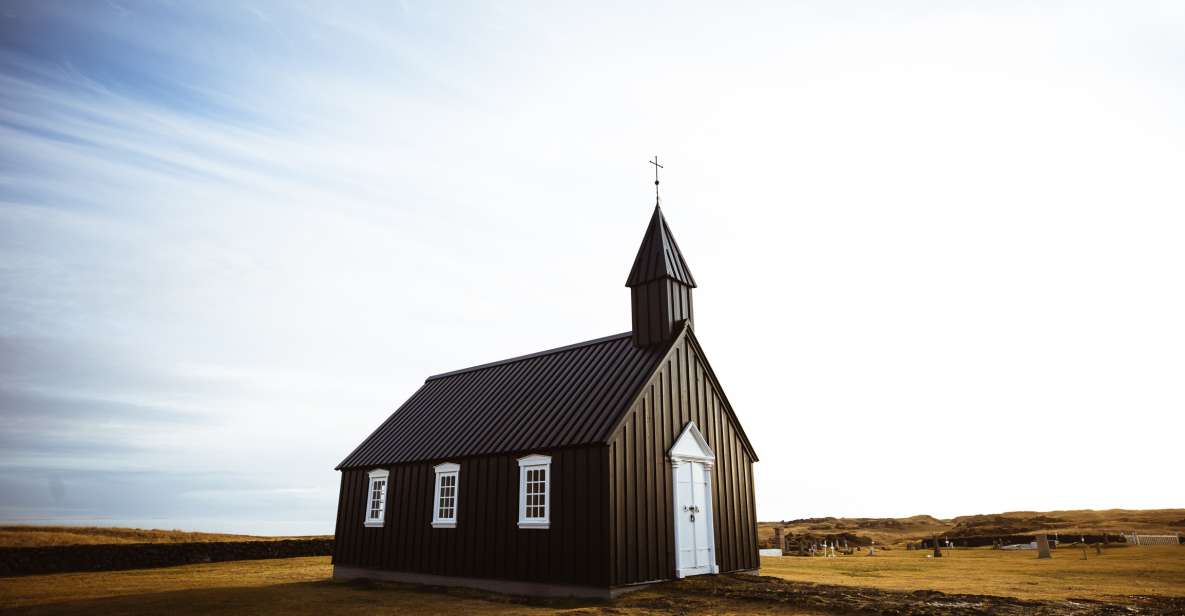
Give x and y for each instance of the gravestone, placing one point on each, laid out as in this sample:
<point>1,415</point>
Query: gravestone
<point>778,539</point>
<point>1043,547</point>
<point>937,549</point>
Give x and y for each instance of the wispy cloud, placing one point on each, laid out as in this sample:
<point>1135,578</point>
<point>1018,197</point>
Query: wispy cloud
<point>233,237</point>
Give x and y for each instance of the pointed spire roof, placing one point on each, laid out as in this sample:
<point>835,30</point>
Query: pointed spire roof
<point>659,256</point>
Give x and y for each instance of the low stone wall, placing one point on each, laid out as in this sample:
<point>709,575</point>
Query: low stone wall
<point>792,540</point>
<point>60,559</point>
<point>980,541</point>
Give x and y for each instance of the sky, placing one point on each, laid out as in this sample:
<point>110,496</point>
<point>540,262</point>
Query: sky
<point>938,246</point>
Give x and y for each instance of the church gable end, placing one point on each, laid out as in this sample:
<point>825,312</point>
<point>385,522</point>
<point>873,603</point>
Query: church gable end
<point>682,390</point>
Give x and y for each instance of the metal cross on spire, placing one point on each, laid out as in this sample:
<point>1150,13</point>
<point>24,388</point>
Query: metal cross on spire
<point>656,168</point>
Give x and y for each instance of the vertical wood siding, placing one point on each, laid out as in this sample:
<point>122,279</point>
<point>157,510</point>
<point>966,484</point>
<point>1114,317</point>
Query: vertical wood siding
<point>487,542</point>
<point>640,492</point>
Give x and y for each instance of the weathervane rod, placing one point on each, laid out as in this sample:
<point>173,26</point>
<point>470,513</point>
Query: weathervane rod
<point>656,168</point>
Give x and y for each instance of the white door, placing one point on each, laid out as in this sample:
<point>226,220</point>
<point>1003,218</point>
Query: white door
<point>692,512</point>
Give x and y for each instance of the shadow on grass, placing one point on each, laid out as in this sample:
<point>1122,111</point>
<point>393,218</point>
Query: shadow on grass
<point>367,597</point>
<point>319,597</point>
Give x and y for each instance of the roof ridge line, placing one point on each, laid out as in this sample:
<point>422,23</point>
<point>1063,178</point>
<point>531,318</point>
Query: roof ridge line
<point>512,360</point>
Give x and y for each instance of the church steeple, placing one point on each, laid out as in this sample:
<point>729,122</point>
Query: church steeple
<point>660,285</point>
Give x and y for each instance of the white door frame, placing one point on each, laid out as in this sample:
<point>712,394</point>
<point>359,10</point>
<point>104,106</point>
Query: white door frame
<point>692,447</point>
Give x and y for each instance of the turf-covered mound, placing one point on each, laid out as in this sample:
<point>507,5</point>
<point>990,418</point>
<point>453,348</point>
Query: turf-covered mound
<point>110,557</point>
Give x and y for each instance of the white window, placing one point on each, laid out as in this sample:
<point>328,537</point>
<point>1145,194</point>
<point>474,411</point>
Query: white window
<point>534,492</point>
<point>376,498</point>
<point>444,508</point>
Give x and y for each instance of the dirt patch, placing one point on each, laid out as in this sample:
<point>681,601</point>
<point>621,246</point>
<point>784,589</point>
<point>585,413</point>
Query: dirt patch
<point>853,600</point>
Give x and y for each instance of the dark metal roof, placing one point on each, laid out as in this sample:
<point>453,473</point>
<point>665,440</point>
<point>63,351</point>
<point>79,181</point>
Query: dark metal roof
<point>659,256</point>
<point>572,395</point>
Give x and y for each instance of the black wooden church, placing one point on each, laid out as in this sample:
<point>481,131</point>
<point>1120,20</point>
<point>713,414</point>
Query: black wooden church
<point>579,470</point>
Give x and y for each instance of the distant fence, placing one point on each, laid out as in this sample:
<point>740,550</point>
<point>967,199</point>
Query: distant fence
<point>63,558</point>
<point>1152,539</point>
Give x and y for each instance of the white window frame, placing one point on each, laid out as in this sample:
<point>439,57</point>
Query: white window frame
<point>448,469</point>
<point>378,474</point>
<point>529,463</point>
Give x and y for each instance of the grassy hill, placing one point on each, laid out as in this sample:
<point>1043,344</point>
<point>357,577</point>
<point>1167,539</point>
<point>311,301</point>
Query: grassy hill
<point>40,536</point>
<point>900,530</point>
<point>1149,521</point>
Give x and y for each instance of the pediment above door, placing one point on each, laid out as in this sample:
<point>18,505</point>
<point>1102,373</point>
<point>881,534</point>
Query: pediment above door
<point>691,446</point>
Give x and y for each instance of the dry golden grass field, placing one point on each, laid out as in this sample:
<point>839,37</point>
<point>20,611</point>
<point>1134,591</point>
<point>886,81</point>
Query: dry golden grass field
<point>1113,577</point>
<point>39,536</point>
<point>889,582</point>
<point>299,586</point>
<point>302,586</point>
